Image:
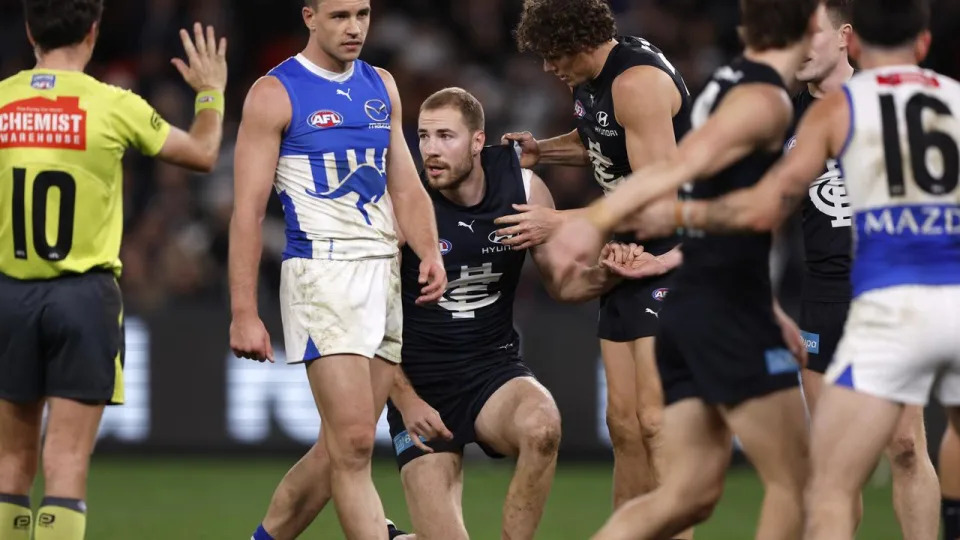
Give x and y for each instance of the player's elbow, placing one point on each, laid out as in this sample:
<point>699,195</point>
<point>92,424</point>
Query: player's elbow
<point>206,161</point>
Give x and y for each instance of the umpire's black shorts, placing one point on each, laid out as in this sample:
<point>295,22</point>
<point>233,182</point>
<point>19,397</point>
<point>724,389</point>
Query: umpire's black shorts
<point>62,337</point>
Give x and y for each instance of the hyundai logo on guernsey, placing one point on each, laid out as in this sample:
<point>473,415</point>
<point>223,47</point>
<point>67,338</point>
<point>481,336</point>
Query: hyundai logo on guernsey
<point>43,81</point>
<point>660,294</point>
<point>325,119</point>
<point>445,246</point>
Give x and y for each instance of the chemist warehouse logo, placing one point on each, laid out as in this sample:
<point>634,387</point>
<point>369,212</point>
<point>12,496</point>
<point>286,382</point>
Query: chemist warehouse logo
<point>44,123</point>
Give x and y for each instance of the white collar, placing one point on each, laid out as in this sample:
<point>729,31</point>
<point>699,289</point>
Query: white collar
<point>326,74</point>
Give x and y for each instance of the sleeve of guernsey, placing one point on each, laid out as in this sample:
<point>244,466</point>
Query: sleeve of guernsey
<point>139,125</point>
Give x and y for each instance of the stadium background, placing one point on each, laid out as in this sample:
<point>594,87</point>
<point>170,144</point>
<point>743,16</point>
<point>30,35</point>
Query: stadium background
<point>204,437</point>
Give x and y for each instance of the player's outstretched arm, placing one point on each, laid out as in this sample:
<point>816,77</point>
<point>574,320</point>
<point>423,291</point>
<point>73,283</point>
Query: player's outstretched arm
<point>411,204</point>
<point>564,278</point>
<point>206,72</point>
<point>763,207</point>
<point>266,113</point>
<point>730,134</point>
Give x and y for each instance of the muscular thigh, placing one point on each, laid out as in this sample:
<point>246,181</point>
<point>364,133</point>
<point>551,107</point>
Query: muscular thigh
<point>512,408</point>
<point>342,389</point>
<point>649,387</point>
<point>621,374</point>
<point>433,486</point>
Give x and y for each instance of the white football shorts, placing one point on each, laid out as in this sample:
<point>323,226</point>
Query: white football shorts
<point>341,307</point>
<point>899,343</point>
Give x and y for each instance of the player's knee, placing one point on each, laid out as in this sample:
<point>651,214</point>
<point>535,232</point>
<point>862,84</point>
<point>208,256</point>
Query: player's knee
<point>541,431</point>
<point>65,467</point>
<point>355,446</point>
<point>651,422</point>
<point>903,452</point>
<point>624,426</point>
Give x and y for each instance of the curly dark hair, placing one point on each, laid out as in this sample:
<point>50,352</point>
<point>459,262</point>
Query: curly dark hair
<point>555,28</point>
<point>60,23</point>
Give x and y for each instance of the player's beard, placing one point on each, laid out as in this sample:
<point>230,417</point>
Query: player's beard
<point>454,175</point>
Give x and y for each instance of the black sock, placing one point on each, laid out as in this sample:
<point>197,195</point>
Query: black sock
<point>950,512</point>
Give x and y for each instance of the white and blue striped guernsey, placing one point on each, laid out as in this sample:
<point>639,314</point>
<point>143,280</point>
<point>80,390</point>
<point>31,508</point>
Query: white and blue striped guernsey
<point>331,174</point>
<point>902,166</point>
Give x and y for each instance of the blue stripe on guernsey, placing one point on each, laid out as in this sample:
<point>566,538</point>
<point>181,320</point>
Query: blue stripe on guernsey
<point>298,246</point>
<point>907,245</point>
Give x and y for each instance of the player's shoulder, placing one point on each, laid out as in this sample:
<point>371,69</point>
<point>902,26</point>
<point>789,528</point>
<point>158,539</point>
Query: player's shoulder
<point>268,101</point>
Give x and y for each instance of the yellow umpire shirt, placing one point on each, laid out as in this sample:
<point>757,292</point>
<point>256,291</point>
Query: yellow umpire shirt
<point>62,137</point>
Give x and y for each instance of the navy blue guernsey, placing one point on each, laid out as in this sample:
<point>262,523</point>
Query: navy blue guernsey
<point>827,216</point>
<point>734,265</point>
<point>472,325</point>
<point>604,137</point>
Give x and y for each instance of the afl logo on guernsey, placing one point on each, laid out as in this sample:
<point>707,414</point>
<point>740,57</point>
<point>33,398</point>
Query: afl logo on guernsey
<point>578,110</point>
<point>43,81</point>
<point>445,246</point>
<point>660,294</point>
<point>325,119</point>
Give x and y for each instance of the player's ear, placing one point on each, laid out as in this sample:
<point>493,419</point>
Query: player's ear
<point>846,31</point>
<point>94,33</point>
<point>479,139</point>
<point>921,46</point>
<point>308,14</point>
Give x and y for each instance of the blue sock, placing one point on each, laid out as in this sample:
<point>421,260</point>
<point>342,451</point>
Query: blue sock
<point>261,534</point>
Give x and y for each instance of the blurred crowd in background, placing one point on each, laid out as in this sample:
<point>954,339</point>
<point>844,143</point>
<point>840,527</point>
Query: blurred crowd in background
<point>175,245</point>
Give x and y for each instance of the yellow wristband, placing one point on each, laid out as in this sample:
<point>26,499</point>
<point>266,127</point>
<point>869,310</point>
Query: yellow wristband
<point>209,99</point>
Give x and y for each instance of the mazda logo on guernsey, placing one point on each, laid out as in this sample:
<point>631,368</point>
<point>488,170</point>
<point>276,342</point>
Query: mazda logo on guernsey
<point>376,110</point>
<point>325,119</point>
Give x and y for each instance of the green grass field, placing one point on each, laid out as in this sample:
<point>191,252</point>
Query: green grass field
<point>146,498</point>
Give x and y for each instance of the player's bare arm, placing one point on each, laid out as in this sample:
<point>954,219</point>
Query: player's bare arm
<point>205,70</point>
<point>565,279</point>
<point>566,149</point>
<point>721,141</point>
<point>266,113</point>
<point>766,205</point>
<point>411,204</point>
<point>419,418</point>
<point>648,126</point>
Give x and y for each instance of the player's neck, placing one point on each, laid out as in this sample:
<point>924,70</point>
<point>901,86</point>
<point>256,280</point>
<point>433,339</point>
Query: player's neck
<point>786,62</point>
<point>872,58</point>
<point>599,57</point>
<point>73,58</point>
<point>316,55</point>
<point>470,191</point>
<point>834,81</point>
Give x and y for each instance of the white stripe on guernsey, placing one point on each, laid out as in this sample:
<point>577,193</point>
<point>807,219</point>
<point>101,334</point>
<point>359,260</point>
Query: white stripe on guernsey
<point>330,166</point>
<point>372,157</point>
<point>332,76</point>
<point>352,159</point>
<point>527,176</point>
